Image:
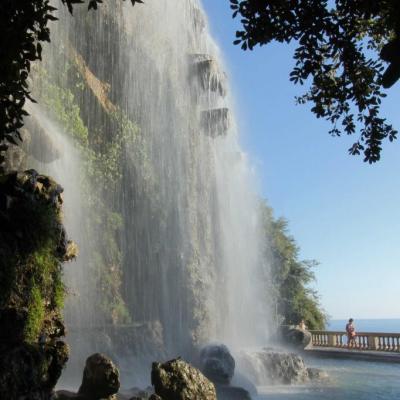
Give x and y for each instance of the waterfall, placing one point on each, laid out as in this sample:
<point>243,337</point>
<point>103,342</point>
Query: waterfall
<point>159,194</point>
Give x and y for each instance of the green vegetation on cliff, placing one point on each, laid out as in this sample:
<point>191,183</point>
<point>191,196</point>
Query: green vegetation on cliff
<point>101,173</point>
<point>289,276</point>
<point>33,245</point>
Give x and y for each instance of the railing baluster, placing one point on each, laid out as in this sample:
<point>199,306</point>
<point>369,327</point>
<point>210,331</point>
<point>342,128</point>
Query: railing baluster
<point>389,342</point>
<point>364,342</point>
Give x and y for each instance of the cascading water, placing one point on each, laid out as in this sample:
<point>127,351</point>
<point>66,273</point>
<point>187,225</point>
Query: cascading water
<point>185,260</point>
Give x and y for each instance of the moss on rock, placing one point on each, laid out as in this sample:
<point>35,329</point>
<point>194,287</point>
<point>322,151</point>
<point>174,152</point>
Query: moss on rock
<point>33,245</point>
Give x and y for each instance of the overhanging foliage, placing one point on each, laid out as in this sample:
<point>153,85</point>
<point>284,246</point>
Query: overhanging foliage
<point>342,47</point>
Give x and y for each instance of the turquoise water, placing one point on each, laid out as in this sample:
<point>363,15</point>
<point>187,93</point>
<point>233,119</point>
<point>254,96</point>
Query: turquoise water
<point>348,380</point>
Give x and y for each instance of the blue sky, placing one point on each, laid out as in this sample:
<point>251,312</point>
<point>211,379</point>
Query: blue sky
<point>342,212</point>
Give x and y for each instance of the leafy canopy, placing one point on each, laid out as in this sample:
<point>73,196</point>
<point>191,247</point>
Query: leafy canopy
<point>342,47</point>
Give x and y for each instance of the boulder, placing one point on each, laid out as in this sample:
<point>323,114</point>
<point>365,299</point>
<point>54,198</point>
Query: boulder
<point>296,337</point>
<point>217,363</point>
<point>100,378</point>
<point>100,381</point>
<point>177,380</point>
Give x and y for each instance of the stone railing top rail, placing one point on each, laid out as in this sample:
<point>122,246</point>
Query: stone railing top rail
<point>382,334</point>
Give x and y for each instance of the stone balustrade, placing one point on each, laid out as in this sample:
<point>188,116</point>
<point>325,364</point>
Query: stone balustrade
<point>375,341</point>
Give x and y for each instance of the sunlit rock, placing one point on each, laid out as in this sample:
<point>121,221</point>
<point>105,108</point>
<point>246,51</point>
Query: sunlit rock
<point>206,71</point>
<point>176,379</point>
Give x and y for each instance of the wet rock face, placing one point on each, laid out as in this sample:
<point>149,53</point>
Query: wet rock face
<point>177,380</point>
<point>217,363</point>
<point>206,71</point>
<point>35,141</point>
<point>271,366</point>
<point>216,122</point>
<point>38,142</point>
<point>33,245</point>
<point>100,378</point>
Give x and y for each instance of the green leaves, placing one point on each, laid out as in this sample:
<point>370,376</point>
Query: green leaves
<point>23,25</point>
<point>345,81</point>
<point>290,276</point>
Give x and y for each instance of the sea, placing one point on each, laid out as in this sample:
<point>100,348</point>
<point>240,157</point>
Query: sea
<point>348,379</point>
<point>366,325</point>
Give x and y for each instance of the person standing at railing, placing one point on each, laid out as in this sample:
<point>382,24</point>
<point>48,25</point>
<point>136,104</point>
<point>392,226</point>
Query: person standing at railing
<point>302,325</point>
<point>351,333</point>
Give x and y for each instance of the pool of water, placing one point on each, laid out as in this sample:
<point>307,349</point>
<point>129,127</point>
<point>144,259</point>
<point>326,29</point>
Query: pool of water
<point>348,380</point>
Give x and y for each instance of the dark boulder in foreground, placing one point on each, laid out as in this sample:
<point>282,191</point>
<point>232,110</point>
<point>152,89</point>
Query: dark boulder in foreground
<point>100,377</point>
<point>217,363</point>
<point>100,381</point>
<point>177,380</point>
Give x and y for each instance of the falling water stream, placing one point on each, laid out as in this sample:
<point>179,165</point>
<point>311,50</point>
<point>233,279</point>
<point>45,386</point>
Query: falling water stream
<point>190,254</point>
